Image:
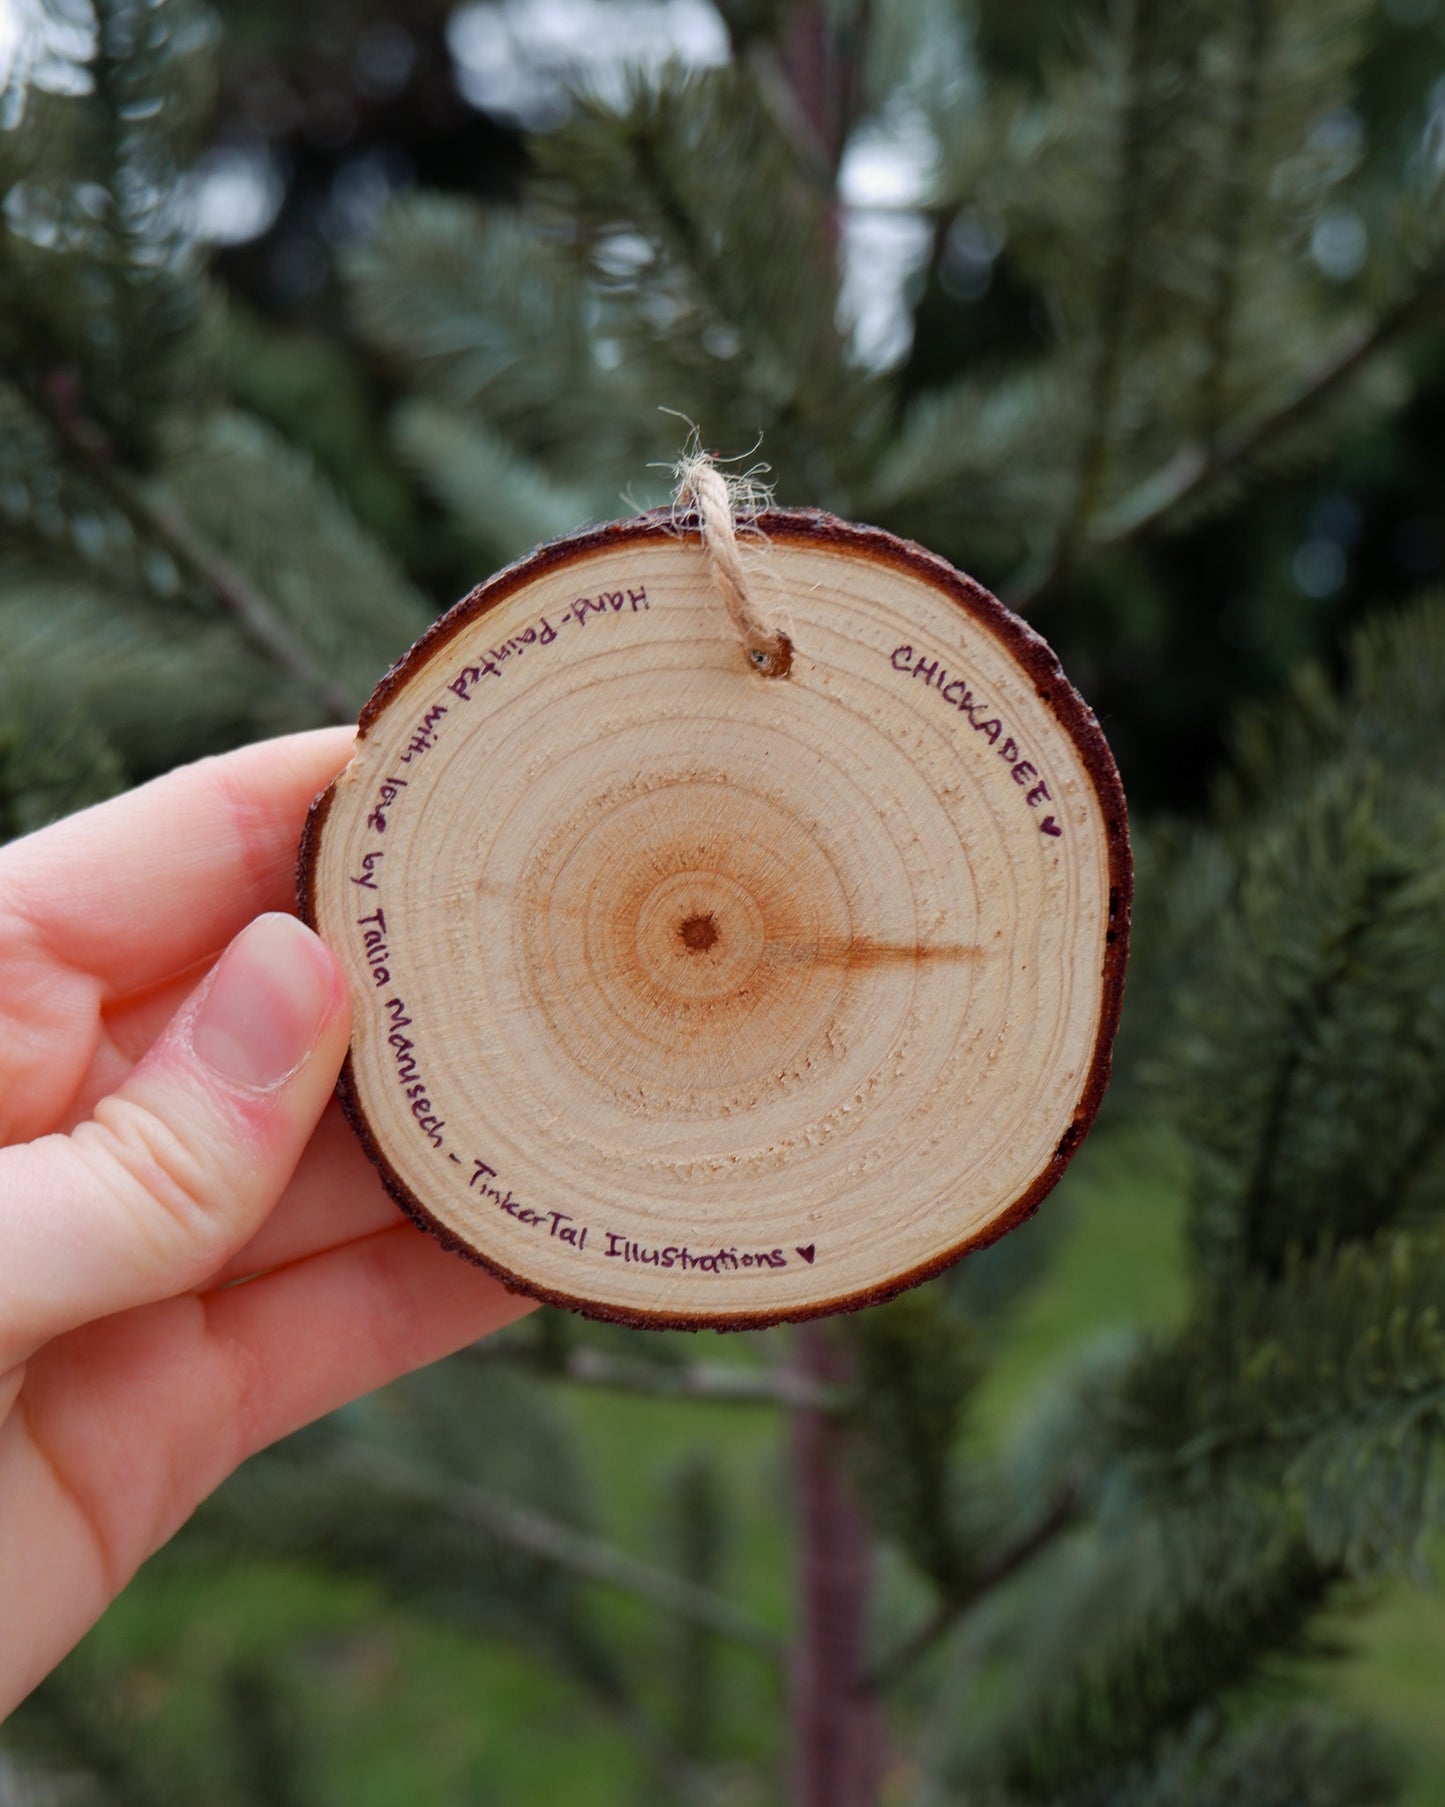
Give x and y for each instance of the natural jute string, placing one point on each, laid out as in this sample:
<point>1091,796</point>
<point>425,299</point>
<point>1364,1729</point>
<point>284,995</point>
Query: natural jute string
<point>703,487</point>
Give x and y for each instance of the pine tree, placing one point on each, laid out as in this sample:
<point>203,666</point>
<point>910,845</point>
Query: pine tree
<point>1127,346</point>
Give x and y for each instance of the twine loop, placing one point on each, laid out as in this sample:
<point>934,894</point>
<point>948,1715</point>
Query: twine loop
<point>703,488</point>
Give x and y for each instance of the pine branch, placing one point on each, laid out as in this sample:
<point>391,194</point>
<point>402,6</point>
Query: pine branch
<point>755,52</point>
<point>484,312</point>
<point>264,1735</point>
<point>818,133</point>
<point>100,661</point>
<point>1261,1241</point>
<point>688,1783</point>
<point>1318,1400</point>
<point>1292,1759</point>
<point>356,1504</point>
<point>727,1384</point>
<point>1060,1517</point>
<point>938,1727</point>
<point>699,1540</point>
<point>1306,1055</point>
<point>160,519</point>
<point>919,1364</point>
<point>854,37</point>
<point>525,1529</point>
<point>97,271</point>
<point>709,263</point>
<point>502,500</point>
<point>1194,467</point>
<point>1147,1679</point>
<point>55,757</point>
<point>689,292</point>
<point>1234,203</point>
<point>1112,322</point>
<point>1419,1152</point>
<point>75,1722</point>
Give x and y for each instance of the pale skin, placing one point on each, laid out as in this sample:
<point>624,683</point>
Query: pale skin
<point>167,1130</point>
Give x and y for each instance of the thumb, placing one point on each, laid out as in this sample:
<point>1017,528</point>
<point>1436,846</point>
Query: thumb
<point>177,1168</point>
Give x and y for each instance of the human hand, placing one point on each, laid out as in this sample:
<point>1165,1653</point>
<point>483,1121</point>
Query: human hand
<point>152,1114</point>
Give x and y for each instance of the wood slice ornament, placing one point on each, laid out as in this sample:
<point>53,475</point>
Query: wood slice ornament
<point>736,928</point>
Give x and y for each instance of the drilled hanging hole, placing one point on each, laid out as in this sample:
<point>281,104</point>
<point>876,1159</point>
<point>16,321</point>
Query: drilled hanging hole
<point>775,660</point>
<point>698,934</point>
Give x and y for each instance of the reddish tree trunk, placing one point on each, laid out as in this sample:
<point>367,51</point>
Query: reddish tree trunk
<point>810,57</point>
<point>837,1741</point>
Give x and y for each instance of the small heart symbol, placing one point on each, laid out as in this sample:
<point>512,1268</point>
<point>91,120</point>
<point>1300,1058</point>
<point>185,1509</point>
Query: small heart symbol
<point>809,1252</point>
<point>1049,826</point>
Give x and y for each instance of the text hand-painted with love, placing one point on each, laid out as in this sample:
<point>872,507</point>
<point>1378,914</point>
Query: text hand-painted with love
<point>394,1020</point>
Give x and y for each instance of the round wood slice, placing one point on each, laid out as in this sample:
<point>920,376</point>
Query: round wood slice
<point>691,997</point>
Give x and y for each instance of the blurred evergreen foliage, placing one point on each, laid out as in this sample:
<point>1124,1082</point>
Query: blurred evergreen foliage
<point>1173,382</point>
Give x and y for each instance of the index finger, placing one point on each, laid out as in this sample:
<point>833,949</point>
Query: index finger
<point>137,889</point>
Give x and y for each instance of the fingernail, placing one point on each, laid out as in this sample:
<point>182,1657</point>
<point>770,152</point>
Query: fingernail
<point>266,1005</point>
